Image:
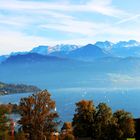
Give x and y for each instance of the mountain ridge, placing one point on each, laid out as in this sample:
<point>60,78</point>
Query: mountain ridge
<point>88,52</point>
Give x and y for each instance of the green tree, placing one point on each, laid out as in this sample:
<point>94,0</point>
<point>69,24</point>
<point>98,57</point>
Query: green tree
<point>38,117</point>
<point>83,119</point>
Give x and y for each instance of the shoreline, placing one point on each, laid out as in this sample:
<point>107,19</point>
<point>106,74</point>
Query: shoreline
<point>18,93</point>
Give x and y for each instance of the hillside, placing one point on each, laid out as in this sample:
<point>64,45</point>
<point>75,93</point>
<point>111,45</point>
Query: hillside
<point>16,88</point>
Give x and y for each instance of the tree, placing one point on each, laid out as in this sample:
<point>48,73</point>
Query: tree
<point>83,119</point>
<point>38,117</point>
<point>68,137</point>
<point>103,119</point>
<point>67,127</point>
<point>20,136</point>
<point>125,123</point>
<point>4,120</point>
<point>100,124</point>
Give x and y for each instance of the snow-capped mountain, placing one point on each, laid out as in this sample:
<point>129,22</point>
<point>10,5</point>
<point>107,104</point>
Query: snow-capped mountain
<point>106,45</point>
<point>88,52</point>
<point>63,48</point>
<point>130,43</point>
<point>129,48</point>
<point>44,50</point>
<point>100,49</point>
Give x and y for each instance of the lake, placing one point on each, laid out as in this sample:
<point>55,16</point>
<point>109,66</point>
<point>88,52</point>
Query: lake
<point>66,98</point>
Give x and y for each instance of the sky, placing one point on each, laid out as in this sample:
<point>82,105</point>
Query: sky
<point>25,24</point>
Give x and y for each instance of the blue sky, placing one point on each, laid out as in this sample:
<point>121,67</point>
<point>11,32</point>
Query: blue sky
<point>25,24</point>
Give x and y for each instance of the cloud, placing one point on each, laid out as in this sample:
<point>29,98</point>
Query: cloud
<point>16,41</point>
<point>103,7</point>
<point>14,21</point>
<point>75,26</point>
<point>12,40</point>
<point>34,22</point>
<point>132,18</point>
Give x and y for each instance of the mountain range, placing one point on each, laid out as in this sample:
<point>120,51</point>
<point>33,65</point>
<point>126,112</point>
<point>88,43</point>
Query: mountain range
<point>102,64</point>
<point>88,52</point>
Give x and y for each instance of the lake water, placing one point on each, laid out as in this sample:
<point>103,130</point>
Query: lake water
<point>66,98</point>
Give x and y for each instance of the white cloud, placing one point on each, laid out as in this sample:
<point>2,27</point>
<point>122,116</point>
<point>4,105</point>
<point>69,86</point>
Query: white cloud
<point>101,6</point>
<point>132,18</point>
<point>19,28</point>
<point>16,21</point>
<point>76,26</point>
<point>16,41</point>
<point>10,40</point>
<point>19,41</point>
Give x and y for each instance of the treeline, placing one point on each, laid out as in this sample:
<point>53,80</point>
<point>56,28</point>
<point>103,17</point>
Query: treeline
<point>16,88</point>
<point>39,121</point>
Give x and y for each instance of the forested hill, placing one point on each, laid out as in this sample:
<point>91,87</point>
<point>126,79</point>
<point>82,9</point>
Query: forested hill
<point>16,88</point>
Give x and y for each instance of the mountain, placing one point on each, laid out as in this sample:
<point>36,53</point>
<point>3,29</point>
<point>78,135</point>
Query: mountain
<point>30,58</point>
<point>64,48</point>
<point>88,53</point>
<point>107,46</point>
<point>126,52</point>
<point>3,58</point>
<point>44,50</point>
<point>123,49</point>
<point>126,49</point>
<point>130,43</point>
<point>16,53</point>
<point>59,54</point>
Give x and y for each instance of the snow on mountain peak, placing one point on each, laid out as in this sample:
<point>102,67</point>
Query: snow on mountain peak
<point>44,50</point>
<point>106,45</point>
<point>130,43</point>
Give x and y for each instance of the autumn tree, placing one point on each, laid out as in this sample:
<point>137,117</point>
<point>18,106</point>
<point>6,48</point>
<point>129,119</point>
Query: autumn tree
<point>4,121</point>
<point>102,122</point>
<point>67,132</point>
<point>38,117</point>
<point>83,119</point>
<point>125,123</point>
<point>67,127</point>
<point>68,137</point>
<point>20,136</point>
